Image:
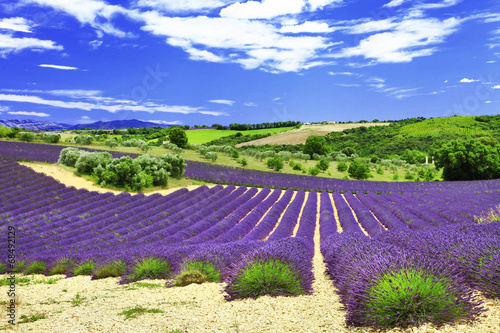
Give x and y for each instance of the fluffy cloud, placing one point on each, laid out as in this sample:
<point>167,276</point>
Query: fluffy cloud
<point>9,44</point>
<point>410,38</point>
<point>15,24</point>
<point>183,5</point>
<point>222,101</point>
<point>308,26</point>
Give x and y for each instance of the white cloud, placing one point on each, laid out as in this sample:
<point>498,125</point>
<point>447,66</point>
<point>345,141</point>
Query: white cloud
<point>466,80</point>
<point>496,87</point>
<point>183,5</point>
<point>409,39</point>
<point>9,44</point>
<point>163,122</point>
<point>93,12</point>
<point>222,101</point>
<point>263,10</point>
<point>4,108</point>
<point>308,26</point>
<point>66,68</point>
<point>252,43</point>
<point>111,105</point>
<point>395,3</point>
<point>320,4</point>
<point>348,85</point>
<point>442,4</point>
<point>16,24</point>
<point>487,102</point>
<point>373,26</point>
<point>249,104</point>
<point>27,113</point>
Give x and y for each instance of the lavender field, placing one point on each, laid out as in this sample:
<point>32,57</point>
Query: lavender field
<point>418,237</point>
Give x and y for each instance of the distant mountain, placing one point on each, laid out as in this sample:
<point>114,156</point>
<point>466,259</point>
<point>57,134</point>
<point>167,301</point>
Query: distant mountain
<point>41,125</point>
<point>117,124</point>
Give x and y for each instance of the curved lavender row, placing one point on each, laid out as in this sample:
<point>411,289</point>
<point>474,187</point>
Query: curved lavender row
<point>27,189</point>
<point>346,218</point>
<point>32,198</point>
<point>76,225</point>
<point>12,181</point>
<point>389,220</point>
<point>33,203</point>
<point>269,221</point>
<point>76,202</point>
<point>307,224</point>
<point>63,197</point>
<point>69,223</point>
<point>327,222</point>
<point>83,241</point>
<point>365,217</point>
<point>87,236</point>
<point>414,207</point>
<point>141,225</point>
<point>250,221</point>
<point>76,207</point>
<point>404,215</point>
<point>234,200</point>
<point>442,210</point>
<point>172,225</point>
<point>290,218</point>
<point>227,223</point>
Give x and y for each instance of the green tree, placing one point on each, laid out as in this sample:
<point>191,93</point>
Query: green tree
<point>275,163</point>
<point>468,160</point>
<point>4,131</point>
<point>323,164</point>
<point>178,136</point>
<point>342,166</point>
<point>26,136</point>
<point>316,144</point>
<point>358,170</point>
<point>51,137</point>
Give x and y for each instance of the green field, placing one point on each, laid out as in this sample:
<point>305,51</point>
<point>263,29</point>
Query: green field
<point>201,136</point>
<point>466,126</point>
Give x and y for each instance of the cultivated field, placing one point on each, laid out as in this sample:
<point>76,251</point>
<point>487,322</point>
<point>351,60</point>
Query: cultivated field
<point>93,261</point>
<point>201,136</point>
<point>299,136</point>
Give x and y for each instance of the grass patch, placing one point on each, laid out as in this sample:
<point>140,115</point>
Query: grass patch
<point>61,266</point>
<point>201,136</point>
<point>197,272</point>
<point>114,269</point>
<point>36,267</point>
<point>138,310</point>
<point>78,300</point>
<point>85,268</point>
<point>272,277</point>
<point>25,319</point>
<point>150,268</point>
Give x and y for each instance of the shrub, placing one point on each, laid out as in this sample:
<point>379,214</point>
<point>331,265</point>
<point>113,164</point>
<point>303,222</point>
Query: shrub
<point>26,136</point>
<point>342,167</point>
<point>84,269</point>
<point>51,137</point>
<point>155,167</point>
<point>61,266</point>
<point>297,167</point>
<point>275,163</point>
<point>235,154</point>
<point>380,171</point>
<point>178,137</point>
<point>358,170</point>
<point>84,139</point>
<point>149,268</point>
<point>323,165</point>
<point>176,163</point>
<point>69,156</point>
<point>411,291</point>
<point>111,143</point>
<point>133,143</point>
<point>409,175</point>
<point>313,171</point>
<point>197,272</point>
<point>88,161</point>
<point>36,267</point>
<point>113,269</point>
<point>212,156</point>
<point>243,162</point>
<point>124,173</point>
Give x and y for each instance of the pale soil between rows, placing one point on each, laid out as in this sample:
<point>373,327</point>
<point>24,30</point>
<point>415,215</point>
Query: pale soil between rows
<point>195,308</point>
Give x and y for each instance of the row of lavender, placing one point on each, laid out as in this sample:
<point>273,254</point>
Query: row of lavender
<point>239,176</point>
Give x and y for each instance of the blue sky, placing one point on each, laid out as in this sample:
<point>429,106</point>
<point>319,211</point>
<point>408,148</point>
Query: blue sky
<point>227,61</point>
